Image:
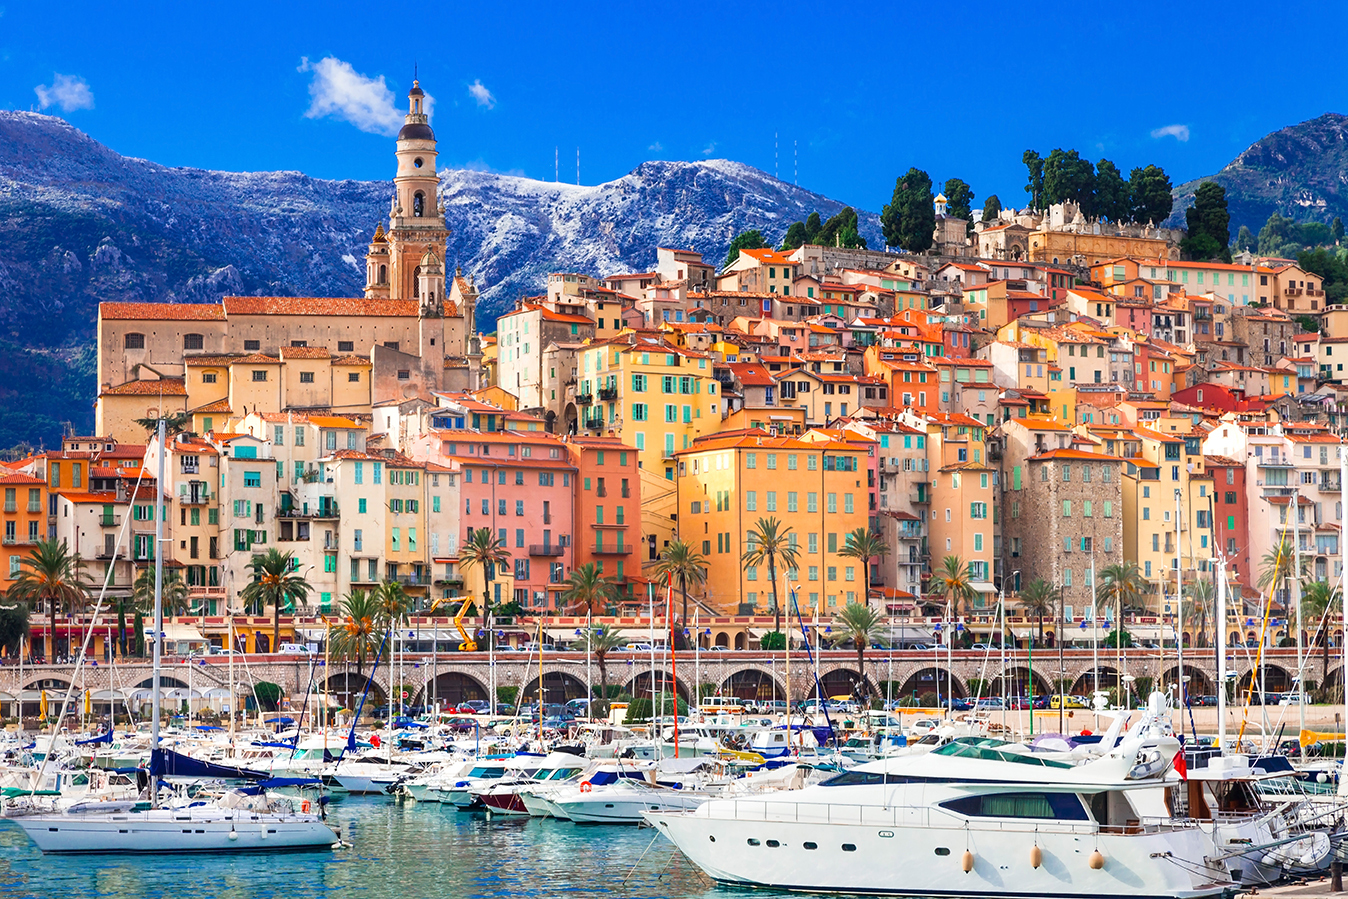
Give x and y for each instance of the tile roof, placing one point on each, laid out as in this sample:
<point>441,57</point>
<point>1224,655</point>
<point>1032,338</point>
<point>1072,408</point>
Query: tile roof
<point>332,421</point>
<point>211,359</point>
<point>320,306</point>
<point>305,352</point>
<point>221,405</point>
<point>162,387</point>
<point>161,311</point>
<point>12,480</point>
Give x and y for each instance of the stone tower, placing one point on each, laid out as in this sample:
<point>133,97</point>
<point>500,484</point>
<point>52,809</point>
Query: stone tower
<point>416,226</point>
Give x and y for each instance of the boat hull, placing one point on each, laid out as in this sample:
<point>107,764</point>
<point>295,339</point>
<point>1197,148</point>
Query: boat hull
<point>166,832</point>
<point>928,861</point>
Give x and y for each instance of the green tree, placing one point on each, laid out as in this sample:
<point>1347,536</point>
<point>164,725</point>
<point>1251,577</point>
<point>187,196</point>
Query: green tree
<point>1034,165</point>
<point>13,626</point>
<point>1069,178</point>
<point>599,642</point>
<point>1149,195</point>
<point>770,542</point>
<point>1120,585</point>
<point>587,590</point>
<point>53,576</point>
<point>174,423</point>
<point>1320,604</point>
<point>1276,565</point>
<point>992,207</point>
<point>174,595</point>
<point>1198,599</point>
<point>1332,267</point>
<point>862,625</point>
<point>1111,192</point>
<point>1209,225</point>
<point>483,550</point>
<point>684,563</point>
<point>813,225</point>
<point>123,605</point>
<point>140,635</point>
<point>841,231</point>
<point>796,236</point>
<point>953,581</point>
<point>746,240</point>
<point>1244,239</point>
<point>1278,237</point>
<point>863,546</point>
<point>959,200</point>
<point>275,584</point>
<point>1336,229</point>
<point>395,605</point>
<point>356,631</point>
<point>1040,598</point>
<point>908,220</point>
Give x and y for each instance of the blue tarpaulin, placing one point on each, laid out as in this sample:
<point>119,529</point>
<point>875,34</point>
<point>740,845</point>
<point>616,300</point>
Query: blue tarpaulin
<point>101,738</point>
<point>167,763</point>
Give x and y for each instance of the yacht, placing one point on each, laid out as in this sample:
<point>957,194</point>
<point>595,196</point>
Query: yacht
<point>970,818</point>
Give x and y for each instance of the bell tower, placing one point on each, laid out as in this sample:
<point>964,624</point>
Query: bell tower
<point>416,218</point>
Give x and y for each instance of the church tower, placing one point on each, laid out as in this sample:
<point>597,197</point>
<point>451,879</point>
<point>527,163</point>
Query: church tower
<point>416,220</point>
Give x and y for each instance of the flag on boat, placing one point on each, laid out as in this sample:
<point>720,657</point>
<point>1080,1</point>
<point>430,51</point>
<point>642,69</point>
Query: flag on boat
<point>42,704</point>
<point>1180,765</point>
<point>88,703</point>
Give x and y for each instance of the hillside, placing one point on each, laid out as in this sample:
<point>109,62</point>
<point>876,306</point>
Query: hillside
<point>80,224</point>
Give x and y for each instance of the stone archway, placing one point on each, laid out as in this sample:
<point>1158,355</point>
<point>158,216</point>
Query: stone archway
<point>640,686</point>
<point>570,418</point>
<point>347,687</point>
<point>558,687</point>
<point>752,683</point>
<point>1085,684</point>
<point>722,639</point>
<point>1020,682</point>
<point>934,681</point>
<point>1199,683</point>
<point>165,683</point>
<point>1275,679</point>
<point>843,682</point>
<point>451,689</point>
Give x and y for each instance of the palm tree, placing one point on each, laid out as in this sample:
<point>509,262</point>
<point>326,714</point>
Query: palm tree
<point>394,604</point>
<point>1198,596</point>
<point>174,423</point>
<point>587,590</point>
<point>484,549</point>
<point>683,562</point>
<point>861,624</point>
<point>1040,598</point>
<point>174,593</point>
<point>53,575</point>
<point>954,581</point>
<point>1277,564</point>
<point>275,584</point>
<point>769,541</point>
<point>357,629</point>
<point>1319,600</point>
<point>1122,585</point>
<point>863,545</point>
<point>600,643</point>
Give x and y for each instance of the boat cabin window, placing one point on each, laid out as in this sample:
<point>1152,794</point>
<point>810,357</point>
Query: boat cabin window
<point>988,749</point>
<point>862,778</point>
<point>1052,806</point>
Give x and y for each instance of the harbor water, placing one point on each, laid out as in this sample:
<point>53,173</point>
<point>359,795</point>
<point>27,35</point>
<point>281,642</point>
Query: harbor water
<point>401,850</point>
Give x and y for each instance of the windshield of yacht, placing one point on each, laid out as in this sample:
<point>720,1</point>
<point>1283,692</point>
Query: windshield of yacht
<point>988,749</point>
<point>484,771</point>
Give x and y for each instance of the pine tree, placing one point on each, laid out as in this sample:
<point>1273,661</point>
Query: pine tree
<point>745,240</point>
<point>1149,195</point>
<point>1209,225</point>
<point>992,207</point>
<point>1111,192</point>
<point>1035,187</point>
<point>909,219</point>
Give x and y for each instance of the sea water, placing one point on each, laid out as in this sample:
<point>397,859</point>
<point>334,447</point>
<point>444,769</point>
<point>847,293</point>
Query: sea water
<point>401,850</point>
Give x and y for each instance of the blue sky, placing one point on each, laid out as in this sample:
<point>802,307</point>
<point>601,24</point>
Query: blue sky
<point>861,91</point>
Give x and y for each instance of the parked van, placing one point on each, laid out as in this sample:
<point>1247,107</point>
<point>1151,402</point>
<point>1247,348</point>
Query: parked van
<point>297,649</point>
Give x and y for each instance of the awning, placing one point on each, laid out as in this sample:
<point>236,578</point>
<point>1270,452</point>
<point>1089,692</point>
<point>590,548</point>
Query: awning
<point>982,587</point>
<point>313,634</point>
<point>181,633</point>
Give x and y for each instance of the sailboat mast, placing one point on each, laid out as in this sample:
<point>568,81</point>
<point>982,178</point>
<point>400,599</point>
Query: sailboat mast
<point>158,511</point>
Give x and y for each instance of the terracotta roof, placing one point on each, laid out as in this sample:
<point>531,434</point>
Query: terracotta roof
<point>256,359</point>
<point>163,387</point>
<point>305,352</point>
<point>351,360</point>
<point>320,306</point>
<point>214,359</point>
<point>12,480</point>
<point>221,405</point>
<point>332,421</point>
<point>161,311</point>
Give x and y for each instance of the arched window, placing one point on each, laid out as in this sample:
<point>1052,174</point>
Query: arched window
<point>416,281</point>
<point>192,342</point>
<point>418,204</point>
<point>383,274</point>
<point>134,342</point>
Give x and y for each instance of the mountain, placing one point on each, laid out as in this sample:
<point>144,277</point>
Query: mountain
<point>1300,172</point>
<point>80,224</point>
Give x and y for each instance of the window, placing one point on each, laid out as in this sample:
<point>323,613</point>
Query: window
<point>259,374</point>
<point>346,346</point>
<point>306,377</point>
<point>1067,508</point>
<point>134,342</point>
<point>252,479</point>
<point>192,342</point>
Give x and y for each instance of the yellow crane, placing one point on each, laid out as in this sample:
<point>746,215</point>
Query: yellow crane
<point>468,644</point>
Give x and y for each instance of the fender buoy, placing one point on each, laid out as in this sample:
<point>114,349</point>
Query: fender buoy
<point>968,862</point>
<point>1097,860</point>
<point>586,786</point>
<point>1036,857</point>
<point>304,806</point>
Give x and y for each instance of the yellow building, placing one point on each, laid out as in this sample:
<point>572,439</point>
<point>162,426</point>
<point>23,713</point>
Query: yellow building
<point>817,490</point>
<point>654,395</point>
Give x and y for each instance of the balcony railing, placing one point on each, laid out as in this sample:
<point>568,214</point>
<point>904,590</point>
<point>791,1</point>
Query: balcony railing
<point>585,399</point>
<point>11,507</point>
<point>9,538</point>
<point>110,521</point>
<point>412,580</point>
<point>545,549</point>
<point>919,498</point>
<point>612,550</point>
<point>194,499</point>
<point>593,424</point>
<point>608,394</point>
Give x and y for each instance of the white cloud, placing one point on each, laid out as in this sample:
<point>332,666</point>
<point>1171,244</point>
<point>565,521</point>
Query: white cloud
<point>1178,132</point>
<point>338,90</point>
<point>709,149</point>
<point>478,91</point>
<point>70,92</point>
<point>656,147</point>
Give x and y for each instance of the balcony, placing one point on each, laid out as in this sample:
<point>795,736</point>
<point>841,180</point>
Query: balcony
<point>325,510</point>
<point>12,507</point>
<point>105,554</point>
<point>1278,462</point>
<point>109,521</point>
<point>585,399</point>
<point>194,499</point>
<point>1330,486</point>
<point>545,549</point>
<point>608,394</point>
<point>412,580</point>
<point>9,539</point>
<point>593,424</point>
<point>612,550</point>
<point>919,497</point>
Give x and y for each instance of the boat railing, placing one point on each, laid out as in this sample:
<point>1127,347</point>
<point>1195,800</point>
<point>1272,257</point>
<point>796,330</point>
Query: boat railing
<point>906,816</point>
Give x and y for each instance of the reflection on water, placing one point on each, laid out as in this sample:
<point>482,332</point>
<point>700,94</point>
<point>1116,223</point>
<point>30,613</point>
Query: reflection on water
<point>402,851</point>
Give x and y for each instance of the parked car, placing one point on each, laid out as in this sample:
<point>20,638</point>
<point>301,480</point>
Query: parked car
<point>1203,700</point>
<point>990,702</point>
<point>1018,702</point>
<point>956,705</point>
<point>918,647</point>
<point>1067,702</point>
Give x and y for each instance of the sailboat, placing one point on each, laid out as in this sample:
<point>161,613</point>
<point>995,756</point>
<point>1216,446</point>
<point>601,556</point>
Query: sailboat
<point>243,819</point>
